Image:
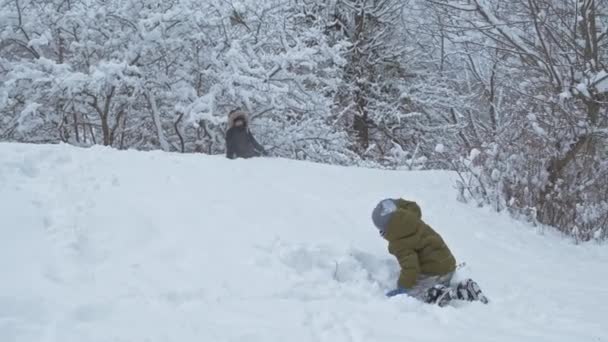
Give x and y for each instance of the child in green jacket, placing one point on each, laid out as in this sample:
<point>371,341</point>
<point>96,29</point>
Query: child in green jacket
<point>427,264</point>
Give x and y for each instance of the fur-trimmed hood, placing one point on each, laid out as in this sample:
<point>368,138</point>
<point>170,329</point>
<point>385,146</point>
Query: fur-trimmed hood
<point>235,114</point>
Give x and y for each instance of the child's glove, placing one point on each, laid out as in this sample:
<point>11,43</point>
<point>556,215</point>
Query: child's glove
<point>397,291</point>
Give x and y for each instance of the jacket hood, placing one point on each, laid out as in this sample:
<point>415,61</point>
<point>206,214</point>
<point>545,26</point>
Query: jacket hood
<point>236,114</point>
<point>404,221</point>
<point>410,206</point>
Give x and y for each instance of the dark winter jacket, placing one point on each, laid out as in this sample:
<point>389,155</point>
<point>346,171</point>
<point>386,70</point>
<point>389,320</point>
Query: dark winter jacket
<point>417,247</point>
<point>240,143</point>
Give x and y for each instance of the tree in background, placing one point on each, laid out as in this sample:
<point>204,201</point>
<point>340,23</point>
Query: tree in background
<point>541,150</point>
<point>164,74</point>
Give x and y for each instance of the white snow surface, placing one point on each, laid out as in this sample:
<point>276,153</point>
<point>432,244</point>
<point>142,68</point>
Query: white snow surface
<point>105,245</point>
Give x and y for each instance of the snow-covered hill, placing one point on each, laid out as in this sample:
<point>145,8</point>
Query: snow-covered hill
<point>101,245</point>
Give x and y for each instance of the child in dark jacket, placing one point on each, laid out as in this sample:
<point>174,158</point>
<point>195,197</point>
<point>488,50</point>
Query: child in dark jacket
<point>240,143</point>
<point>427,264</point>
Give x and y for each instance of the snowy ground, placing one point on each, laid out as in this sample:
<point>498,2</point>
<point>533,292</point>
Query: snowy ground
<point>100,245</point>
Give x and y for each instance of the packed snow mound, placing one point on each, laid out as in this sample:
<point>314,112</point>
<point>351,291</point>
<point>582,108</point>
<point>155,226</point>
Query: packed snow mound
<point>104,245</point>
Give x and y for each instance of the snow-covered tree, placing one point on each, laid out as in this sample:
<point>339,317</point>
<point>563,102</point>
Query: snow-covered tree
<point>164,74</point>
<point>541,150</point>
<point>393,99</point>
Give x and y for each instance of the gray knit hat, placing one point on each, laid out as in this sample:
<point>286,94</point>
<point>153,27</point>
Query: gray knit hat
<point>382,214</point>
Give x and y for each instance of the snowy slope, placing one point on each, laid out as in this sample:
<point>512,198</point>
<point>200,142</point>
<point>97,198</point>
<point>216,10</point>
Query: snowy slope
<point>100,245</point>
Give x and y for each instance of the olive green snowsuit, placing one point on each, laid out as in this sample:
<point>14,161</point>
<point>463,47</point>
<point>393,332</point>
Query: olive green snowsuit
<point>418,248</point>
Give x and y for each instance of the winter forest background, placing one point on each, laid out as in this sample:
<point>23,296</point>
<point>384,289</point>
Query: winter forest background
<point>511,94</point>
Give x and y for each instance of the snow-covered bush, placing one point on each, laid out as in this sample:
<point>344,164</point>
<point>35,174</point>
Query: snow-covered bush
<point>541,151</point>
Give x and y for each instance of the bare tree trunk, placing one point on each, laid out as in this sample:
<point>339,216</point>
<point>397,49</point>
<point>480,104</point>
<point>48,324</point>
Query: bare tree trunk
<point>179,133</point>
<point>164,145</point>
<point>76,130</point>
<point>361,116</point>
